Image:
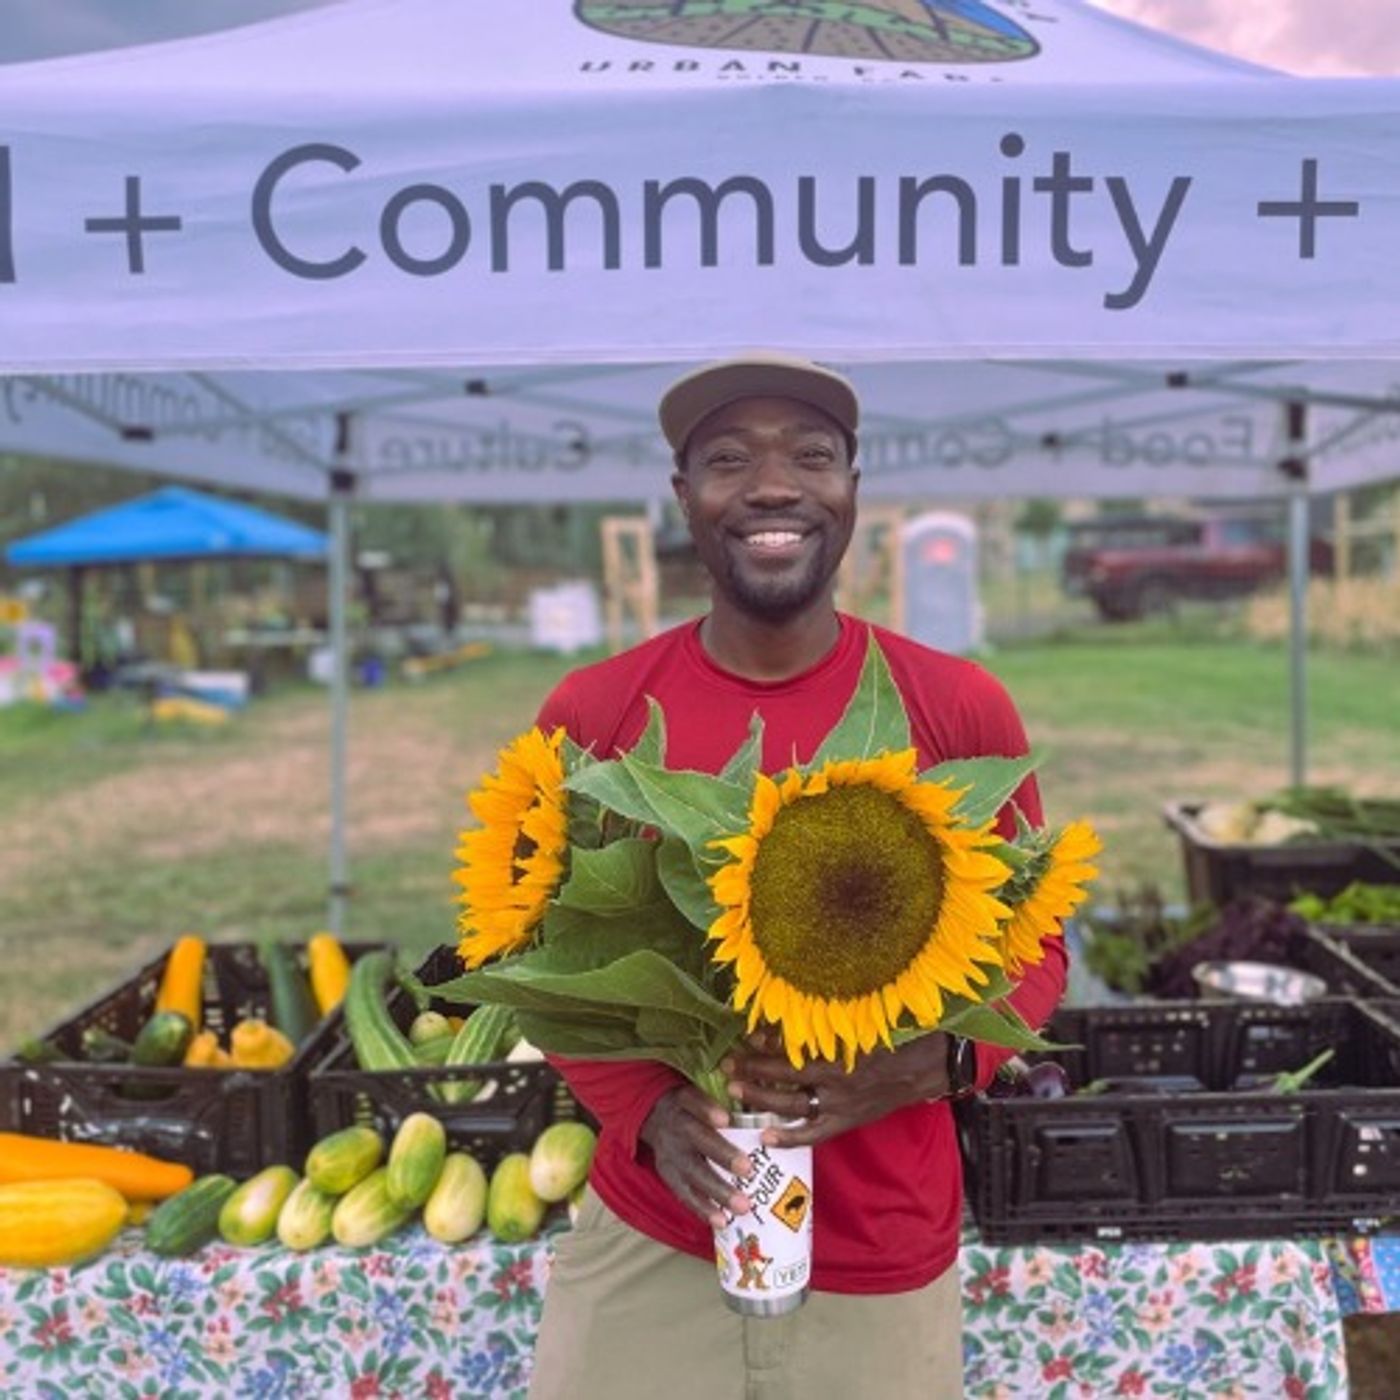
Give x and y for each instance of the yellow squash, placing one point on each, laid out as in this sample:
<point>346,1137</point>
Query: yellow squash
<point>205,1052</point>
<point>137,1177</point>
<point>253,1044</point>
<point>330,971</point>
<point>47,1223</point>
<point>182,982</point>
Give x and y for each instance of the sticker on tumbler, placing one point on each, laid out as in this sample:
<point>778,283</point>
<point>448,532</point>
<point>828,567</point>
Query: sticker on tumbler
<point>791,1206</point>
<point>764,1256</point>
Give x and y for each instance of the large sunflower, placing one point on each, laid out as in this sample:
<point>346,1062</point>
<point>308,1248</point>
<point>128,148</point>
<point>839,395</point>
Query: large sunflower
<point>1058,877</point>
<point>514,861</point>
<point>854,896</point>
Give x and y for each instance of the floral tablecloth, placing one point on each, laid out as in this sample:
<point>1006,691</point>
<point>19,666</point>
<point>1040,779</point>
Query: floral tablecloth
<point>415,1319</point>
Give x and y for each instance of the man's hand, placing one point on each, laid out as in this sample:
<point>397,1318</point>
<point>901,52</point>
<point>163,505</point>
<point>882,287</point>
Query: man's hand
<point>763,1081</point>
<point>681,1132</point>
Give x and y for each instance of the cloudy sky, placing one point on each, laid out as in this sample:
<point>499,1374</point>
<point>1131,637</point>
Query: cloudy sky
<point>1320,37</point>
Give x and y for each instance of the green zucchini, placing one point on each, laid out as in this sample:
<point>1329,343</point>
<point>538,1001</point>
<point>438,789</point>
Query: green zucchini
<point>101,1047</point>
<point>481,1041</point>
<point>160,1044</point>
<point>379,1043</point>
<point>189,1219</point>
<point>293,1011</point>
<point>163,1040</point>
<point>33,1051</point>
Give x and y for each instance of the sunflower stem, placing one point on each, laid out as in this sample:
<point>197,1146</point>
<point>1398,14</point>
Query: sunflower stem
<point>716,1084</point>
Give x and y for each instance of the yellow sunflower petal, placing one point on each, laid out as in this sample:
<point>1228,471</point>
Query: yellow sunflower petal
<point>859,846</point>
<point>512,865</point>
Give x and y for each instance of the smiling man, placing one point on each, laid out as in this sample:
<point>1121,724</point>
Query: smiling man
<point>765,450</point>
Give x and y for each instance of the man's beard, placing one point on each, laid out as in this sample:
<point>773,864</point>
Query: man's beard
<point>775,599</point>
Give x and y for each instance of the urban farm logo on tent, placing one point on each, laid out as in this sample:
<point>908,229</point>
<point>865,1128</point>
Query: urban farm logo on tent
<point>900,31</point>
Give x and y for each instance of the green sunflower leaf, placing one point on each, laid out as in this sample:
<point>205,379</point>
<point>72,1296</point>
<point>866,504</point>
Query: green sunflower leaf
<point>651,747</point>
<point>578,940</point>
<point>994,1025</point>
<point>874,720</point>
<point>613,880</point>
<point>643,994</point>
<point>587,1037</point>
<point>642,979</point>
<point>574,756</point>
<point>990,782</point>
<point>684,881</point>
<point>585,821</point>
<point>697,807</point>
<point>743,766</point>
<point>997,985</point>
<point>613,787</point>
<point>695,1056</point>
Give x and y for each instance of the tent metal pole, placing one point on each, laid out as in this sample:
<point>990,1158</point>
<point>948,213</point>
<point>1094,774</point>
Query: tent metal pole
<point>1295,468</point>
<point>342,484</point>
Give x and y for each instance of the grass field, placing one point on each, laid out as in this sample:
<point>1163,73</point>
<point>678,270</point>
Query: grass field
<point>114,837</point>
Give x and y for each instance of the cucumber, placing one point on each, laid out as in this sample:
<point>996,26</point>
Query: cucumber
<point>190,1218</point>
<point>367,1213</point>
<point>481,1041</point>
<point>457,1207</point>
<point>379,1043</point>
<point>293,1011</point>
<point>513,1210</point>
<point>343,1159</point>
<point>249,1216</point>
<point>415,1160</point>
<point>305,1219</point>
<point>560,1159</point>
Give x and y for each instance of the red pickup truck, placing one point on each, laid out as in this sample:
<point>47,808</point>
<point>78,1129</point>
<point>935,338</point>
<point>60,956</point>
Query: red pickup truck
<point>1130,566</point>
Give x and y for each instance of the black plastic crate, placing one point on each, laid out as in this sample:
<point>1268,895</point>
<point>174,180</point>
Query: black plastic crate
<point>517,1100</point>
<point>1216,873</point>
<point>1375,946</point>
<point>1345,966</point>
<point>1190,1152</point>
<point>234,1121</point>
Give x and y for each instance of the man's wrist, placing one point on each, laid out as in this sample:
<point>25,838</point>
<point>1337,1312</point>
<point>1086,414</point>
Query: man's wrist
<point>962,1067</point>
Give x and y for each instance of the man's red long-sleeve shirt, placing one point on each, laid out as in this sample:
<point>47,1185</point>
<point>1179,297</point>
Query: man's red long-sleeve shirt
<point>887,1195</point>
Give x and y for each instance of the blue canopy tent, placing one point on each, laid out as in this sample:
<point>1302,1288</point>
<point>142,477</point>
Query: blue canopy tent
<point>172,525</point>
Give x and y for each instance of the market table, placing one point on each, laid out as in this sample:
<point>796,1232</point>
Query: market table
<point>413,1318</point>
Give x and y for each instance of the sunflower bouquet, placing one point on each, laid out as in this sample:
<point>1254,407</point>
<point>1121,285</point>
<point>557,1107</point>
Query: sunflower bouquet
<point>627,910</point>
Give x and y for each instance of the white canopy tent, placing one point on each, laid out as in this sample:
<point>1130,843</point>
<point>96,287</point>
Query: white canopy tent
<point>465,244</point>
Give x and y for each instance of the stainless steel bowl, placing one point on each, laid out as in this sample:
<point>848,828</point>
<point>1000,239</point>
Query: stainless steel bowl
<point>1256,981</point>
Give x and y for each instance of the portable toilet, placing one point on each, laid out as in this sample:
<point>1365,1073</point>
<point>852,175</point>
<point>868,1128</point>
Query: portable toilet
<point>941,604</point>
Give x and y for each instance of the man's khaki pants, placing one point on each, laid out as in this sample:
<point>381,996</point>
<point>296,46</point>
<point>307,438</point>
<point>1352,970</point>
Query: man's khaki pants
<point>627,1317</point>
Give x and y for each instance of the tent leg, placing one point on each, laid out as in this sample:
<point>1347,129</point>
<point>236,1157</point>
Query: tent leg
<point>342,483</point>
<point>1295,468</point>
<point>1298,549</point>
<point>75,617</point>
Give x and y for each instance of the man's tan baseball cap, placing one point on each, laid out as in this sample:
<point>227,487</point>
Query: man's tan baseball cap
<point>759,374</point>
